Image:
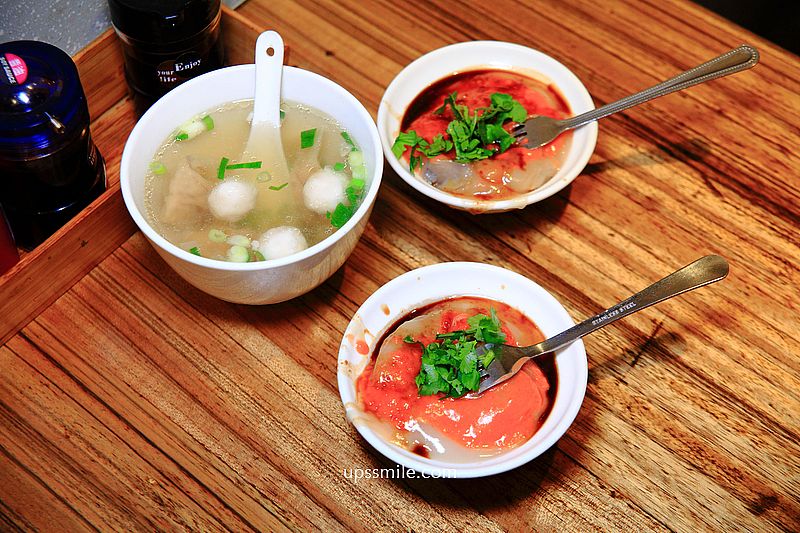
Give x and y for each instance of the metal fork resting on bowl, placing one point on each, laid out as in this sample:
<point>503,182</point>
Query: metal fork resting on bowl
<point>510,359</point>
<point>540,130</point>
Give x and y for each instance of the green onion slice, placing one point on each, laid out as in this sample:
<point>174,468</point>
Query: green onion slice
<point>216,235</point>
<point>208,122</point>
<point>223,163</point>
<point>252,164</point>
<point>238,254</point>
<point>195,250</point>
<point>181,136</point>
<point>158,168</point>
<point>349,140</point>
<point>338,167</point>
<point>307,138</point>
<point>278,187</point>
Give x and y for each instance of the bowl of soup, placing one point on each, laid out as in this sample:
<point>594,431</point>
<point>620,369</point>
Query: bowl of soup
<point>221,216</point>
<point>403,399</point>
<point>446,119</point>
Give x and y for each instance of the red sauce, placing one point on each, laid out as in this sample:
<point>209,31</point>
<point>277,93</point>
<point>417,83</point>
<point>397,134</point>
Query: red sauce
<point>361,347</point>
<point>494,176</point>
<point>503,417</point>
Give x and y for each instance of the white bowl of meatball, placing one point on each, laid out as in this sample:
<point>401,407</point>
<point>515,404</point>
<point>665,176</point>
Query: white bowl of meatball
<point>223,219</point>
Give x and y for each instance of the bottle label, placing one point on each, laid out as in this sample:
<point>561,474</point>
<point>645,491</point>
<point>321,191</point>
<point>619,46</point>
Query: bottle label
<point>175,71</point>
<point>14,69</point>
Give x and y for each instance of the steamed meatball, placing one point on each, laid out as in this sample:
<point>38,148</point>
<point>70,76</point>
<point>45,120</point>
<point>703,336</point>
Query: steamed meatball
<point>324,190</point>
<point>231,200</point>
<point>281,241</point>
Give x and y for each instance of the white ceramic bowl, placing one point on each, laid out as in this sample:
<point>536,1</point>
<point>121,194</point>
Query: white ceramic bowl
<point>260,282</point>
<point>436,282</point>
<point>475,55</point>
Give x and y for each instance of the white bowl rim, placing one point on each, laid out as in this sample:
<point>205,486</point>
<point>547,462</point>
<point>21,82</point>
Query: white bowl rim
<point>487,206</point>
<point>140,130</point>
<point>499,463</point>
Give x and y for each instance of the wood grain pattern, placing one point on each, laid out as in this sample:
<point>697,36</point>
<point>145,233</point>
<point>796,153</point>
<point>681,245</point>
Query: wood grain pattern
<point>136,402</point>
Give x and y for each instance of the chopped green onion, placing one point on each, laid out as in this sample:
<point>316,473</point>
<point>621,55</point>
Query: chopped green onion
<point>282,114</point>
<point>194,127</point>
<point>195,250</point>
<point>278,187</point>
<point>338,167</point>
<point>223,163</point>
<point>252,164</point>
<point>264,177</point>
<point>238,254</point>
<point>216,235</point>
<point>357,184</point>
<point>238,240</point>
<point>307,138</point>
<point>355,159</point>
<point>158,168</point>
<point>349,141</point>
<point>257,256</point>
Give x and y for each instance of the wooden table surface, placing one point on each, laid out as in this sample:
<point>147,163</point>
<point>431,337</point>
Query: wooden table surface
<point>136,402</point>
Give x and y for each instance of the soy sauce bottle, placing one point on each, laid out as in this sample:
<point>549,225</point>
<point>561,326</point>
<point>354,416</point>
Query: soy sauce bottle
<point>50,168</point>
<point>166,42</point>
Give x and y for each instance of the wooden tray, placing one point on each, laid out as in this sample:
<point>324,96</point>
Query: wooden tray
<point>52,268</point>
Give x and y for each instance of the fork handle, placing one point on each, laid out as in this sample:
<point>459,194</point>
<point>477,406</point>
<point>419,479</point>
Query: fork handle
<point>738,59</point>
<point>705,270</point>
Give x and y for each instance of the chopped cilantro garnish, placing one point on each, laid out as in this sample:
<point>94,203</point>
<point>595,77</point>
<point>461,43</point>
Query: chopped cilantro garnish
<point>278,187</point>
<point>223,164</point>
<point>195,250</point>
<point>471,135</point>
<point>307,138</point>
<point>450,365</point>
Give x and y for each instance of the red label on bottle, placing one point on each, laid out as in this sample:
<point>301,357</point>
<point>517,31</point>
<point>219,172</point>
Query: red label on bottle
<point>14,68</point>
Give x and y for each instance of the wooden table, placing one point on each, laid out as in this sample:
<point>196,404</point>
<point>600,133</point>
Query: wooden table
<point>135,402</point>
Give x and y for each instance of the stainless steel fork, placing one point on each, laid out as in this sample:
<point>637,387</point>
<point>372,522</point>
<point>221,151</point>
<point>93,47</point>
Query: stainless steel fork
<point>510,359</point>
<point>540,130</point>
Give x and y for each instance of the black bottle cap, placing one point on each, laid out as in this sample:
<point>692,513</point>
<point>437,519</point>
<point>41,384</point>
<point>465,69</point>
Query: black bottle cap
<point>162,21</point>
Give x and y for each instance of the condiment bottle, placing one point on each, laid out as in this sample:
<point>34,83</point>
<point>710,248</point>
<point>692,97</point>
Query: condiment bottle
<point>166,42</point>
<point>9,256</point>
<point>50,168</point>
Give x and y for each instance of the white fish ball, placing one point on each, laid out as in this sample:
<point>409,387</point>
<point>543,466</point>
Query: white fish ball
<point>324,190</point>
<point>280,242</point>
<point>231,200</point>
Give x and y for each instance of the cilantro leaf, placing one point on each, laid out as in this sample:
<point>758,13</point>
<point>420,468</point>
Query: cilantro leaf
<point>450,364</point>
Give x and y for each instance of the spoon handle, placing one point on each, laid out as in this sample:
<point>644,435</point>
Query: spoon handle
<point>705,270</point>
<point>269,62</point>
<point>738,59</point>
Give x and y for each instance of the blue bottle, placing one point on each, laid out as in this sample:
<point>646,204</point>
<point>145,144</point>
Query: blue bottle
<point>50,168</point>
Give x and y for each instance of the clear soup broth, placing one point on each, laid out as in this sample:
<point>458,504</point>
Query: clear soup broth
<point>207,195</point>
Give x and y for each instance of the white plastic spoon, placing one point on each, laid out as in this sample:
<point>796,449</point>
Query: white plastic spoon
<point>264,143</point>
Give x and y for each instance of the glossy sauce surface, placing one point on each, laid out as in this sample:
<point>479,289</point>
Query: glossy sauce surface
<point>500,419</point>
<point>516,171</point>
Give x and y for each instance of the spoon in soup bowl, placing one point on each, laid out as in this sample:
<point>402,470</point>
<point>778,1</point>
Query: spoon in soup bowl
<point>540,130</point>
<point>264,143</point>
<point>510,359</point>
